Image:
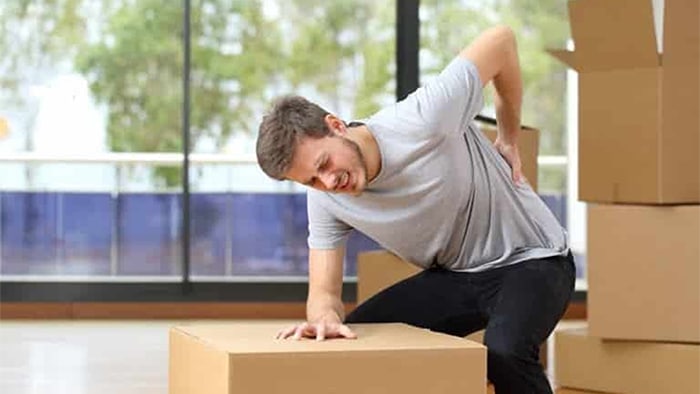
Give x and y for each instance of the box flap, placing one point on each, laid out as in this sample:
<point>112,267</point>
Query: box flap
<point>566,57</point>
<point>612,34</point>
<point>682,33</point>
<point>576,61</point>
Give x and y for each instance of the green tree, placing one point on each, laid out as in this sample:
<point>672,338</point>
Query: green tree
<point>331,39</point>
<point>449,25</point>
<point>241,57</point>
<point>35,36</point>
<point>377,47</point>
<point>132,56</point>
<point>137,71</point>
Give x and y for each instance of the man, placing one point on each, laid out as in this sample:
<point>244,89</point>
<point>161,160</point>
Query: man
<point>420,179</point>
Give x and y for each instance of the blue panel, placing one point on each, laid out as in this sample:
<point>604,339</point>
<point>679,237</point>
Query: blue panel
<point>149,227</point>
<point>209,214</point>
<point>87,233</point>
<point>263,234</point>
<point>269,234</point>
<point>557,204</point>
<point>30,238</point>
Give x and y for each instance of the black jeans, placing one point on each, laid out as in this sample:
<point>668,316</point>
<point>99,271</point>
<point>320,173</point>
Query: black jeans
<point>519,305</point>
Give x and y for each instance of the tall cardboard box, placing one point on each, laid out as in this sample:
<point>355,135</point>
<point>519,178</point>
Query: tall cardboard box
<point>644,272</point>
<point>639,127</point>
<point>585,362</point>
<point>385,358</point>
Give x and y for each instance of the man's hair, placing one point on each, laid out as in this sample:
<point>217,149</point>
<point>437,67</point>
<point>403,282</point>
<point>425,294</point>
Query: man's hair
<point>289,119</point>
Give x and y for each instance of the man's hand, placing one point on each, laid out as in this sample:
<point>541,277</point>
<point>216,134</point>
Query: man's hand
<point>319,330</point>
<point>510,152</point>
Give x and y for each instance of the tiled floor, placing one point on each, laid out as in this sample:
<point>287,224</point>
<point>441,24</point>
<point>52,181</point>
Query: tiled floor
<point>84,357</point>
<point>79,357</point>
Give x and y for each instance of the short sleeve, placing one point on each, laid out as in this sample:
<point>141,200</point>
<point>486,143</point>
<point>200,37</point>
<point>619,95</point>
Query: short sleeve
<point>450,100</point>
<point>325,230</point>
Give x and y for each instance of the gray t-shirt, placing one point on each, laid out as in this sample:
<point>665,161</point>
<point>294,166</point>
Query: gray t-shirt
<point>444,195</point>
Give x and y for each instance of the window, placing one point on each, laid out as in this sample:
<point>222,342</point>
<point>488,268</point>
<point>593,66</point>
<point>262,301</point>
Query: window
<point>339,54</point>
<point>91,93</point>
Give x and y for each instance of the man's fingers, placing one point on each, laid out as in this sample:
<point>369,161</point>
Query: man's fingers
<point>320,331</point>
<point>286,332</point>
<point>299,332</point>
<point>346,332</point>
<point>517,176</point>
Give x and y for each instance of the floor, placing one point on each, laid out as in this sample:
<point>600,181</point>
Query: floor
<point>78,357</point>
<point>84,357</point>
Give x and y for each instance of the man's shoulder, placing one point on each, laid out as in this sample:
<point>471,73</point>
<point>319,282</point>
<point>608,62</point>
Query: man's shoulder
<point>316,199</point>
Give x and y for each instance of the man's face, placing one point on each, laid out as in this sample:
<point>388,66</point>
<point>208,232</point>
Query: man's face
<point>331,164</point>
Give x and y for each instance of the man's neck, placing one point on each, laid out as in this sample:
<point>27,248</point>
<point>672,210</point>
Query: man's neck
<point>363,137</point>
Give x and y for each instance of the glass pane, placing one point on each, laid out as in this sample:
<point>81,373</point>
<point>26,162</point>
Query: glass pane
<point>29,233</point>
<point>211,229</point>
<point>149,226</point>
<point>87,225</point>
<point>339,54</point>
<point>90,114</point>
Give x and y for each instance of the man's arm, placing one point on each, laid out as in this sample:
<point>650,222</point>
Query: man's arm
<point>325,285</point>
<point>324,308</point>
<point>495,54</point>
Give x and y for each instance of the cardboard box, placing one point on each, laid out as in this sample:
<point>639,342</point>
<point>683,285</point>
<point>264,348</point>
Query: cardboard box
<point>377,270</point>
<point>528,146</point>
<point>386,358</point>
<point>644,272</point>
<point>625,367</point>
<point>564,390</point>
<point>639,129</point>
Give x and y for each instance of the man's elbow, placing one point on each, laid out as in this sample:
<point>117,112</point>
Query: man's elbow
<point>504,36</point>
<point>491,51</point>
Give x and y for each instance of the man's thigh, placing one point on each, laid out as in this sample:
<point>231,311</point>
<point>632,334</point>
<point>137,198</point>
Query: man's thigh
<point>530,301</point>
<point>436,299</point>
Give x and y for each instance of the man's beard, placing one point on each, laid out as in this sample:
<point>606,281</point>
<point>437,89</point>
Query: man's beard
<point>360,158</point>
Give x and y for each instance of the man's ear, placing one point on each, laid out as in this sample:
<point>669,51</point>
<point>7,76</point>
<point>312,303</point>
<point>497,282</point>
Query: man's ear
<point>335,125</point>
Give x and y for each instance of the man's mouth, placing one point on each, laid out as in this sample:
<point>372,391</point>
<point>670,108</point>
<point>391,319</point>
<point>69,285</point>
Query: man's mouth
<point>344,181</point>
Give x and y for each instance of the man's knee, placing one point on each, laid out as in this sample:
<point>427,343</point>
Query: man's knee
<point>505,352</point>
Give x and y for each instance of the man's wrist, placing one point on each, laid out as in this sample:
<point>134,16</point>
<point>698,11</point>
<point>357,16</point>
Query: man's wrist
<point>507,137</point>
<point>324,311</point>
<point>328,316</point>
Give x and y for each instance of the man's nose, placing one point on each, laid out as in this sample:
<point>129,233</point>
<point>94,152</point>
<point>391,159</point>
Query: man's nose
<point>329,180</point>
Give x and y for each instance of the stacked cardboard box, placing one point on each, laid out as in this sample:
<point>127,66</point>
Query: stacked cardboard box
<point>639,170</point>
